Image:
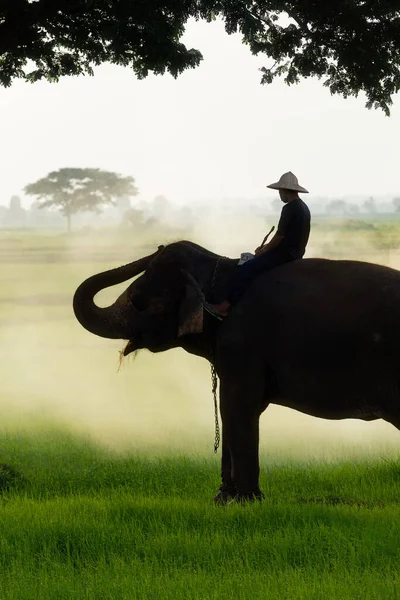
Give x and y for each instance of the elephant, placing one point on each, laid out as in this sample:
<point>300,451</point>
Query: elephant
<point>316,335</point>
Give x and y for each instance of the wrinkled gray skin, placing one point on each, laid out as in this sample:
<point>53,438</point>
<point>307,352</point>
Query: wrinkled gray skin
<point>319,336</point>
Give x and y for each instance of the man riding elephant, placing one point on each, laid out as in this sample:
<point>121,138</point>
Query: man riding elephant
<point>289,243</point>
<point>318,336</point>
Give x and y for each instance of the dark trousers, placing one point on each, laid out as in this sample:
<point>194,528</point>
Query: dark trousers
<point>249,270</point>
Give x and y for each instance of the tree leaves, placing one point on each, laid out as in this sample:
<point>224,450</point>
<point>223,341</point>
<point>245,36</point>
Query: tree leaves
<point>73,190</point>
<point>354,45</point>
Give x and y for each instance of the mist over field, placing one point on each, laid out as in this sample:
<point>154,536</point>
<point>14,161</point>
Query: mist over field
<point>54,373</point>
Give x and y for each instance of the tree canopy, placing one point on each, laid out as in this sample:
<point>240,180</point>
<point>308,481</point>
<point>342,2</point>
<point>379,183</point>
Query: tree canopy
<point>353,45</point>
<point>78,190</point>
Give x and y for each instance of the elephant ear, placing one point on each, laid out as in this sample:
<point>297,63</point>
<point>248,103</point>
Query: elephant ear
<point>191,307</point>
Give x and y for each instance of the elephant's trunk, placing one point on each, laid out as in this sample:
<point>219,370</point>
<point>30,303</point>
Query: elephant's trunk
<point>113,322</point>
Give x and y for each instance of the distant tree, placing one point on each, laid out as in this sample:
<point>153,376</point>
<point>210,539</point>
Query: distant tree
<point>276,205</point>
<point>353,208</point>
<point>185,216</point>
<point>161,206</point>
<point>16,215</point>
<point>337,207</point>
<point>78,190</point>
<point>354,45</point>
<point>369,205</point>
<point>396,204</point>
<point>387,238</point>
<point>123,204</point>
<point>15,204</point>
<point>133,217</point>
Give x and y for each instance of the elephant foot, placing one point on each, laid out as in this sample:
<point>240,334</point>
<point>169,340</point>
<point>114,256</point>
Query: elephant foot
<point>224,495</point>
<point>245,497</point>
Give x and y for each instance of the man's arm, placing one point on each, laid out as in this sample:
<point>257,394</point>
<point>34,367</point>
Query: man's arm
<point>280,233</point>
<point>274,243</point>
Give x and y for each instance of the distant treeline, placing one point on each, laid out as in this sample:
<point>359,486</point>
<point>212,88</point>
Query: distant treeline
<point>157,212</point>
<point>160,211</point>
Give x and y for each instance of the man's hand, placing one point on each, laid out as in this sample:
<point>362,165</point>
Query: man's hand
<point>276,240</point>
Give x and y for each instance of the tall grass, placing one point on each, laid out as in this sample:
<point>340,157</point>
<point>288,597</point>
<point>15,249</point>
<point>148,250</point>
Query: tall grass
<point>78,521</point>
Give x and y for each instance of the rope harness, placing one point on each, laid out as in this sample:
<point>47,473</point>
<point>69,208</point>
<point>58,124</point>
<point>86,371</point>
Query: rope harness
<point>214,377</point>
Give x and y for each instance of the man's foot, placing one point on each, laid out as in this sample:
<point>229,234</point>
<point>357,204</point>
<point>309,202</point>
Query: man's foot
<point>219,311</point>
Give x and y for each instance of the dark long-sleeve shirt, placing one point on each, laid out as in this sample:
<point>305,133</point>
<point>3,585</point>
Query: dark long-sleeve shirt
<point>294,227</point>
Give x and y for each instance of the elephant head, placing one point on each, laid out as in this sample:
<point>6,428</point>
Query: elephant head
<point>160,307</point>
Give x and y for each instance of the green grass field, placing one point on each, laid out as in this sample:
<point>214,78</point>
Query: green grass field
<point>86,523</point>
<point>107,478</point>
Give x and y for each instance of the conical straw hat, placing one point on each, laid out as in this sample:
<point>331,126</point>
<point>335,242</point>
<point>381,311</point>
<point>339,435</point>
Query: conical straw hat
<point>288,181</point>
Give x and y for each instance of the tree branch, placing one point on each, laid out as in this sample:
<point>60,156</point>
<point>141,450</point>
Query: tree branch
<point>302,25</point>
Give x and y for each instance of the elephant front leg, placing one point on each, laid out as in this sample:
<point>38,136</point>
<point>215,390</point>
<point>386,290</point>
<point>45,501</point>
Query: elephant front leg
<point>240,411</point>
<point>227,490</point>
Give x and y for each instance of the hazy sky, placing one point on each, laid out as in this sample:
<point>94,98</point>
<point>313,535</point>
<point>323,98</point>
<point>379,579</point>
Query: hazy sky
<point>215,132</point>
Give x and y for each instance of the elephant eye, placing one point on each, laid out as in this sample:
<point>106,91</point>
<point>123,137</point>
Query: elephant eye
<point>139,302</point>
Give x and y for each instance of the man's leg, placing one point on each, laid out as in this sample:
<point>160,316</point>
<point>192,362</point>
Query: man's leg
<point>249,271</point>
<point>244,275</point>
